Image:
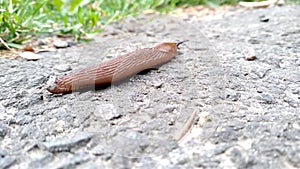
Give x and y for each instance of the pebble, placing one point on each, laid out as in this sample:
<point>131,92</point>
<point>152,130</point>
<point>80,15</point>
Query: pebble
<point>298,62</point>
<point>60,43</point>
<point>6,162</point>
<point>233,96</point>
<point>204,161</point>
<point>264,18</point>
<point>66,143</point>
<point>237,157</point>
<point>266,98</point>
<point>225,133</point>
<point>3,153</point>
<point>73,160</point>
<point>254,41</point>
<point>157,84</point>
<point>292,101</point>
<point>4,129</point>
<point>23,119</point>
<point>41,159</point>
<point>296,90</point>
<point>251,57</point>
<point>30,56</point>
<point>107,112</point>
<point>62,67</point>
<point>179,157</point>
<point>261,72</point>
<point>296,77</point>
<point>120,162</point>
<point>100,150</point>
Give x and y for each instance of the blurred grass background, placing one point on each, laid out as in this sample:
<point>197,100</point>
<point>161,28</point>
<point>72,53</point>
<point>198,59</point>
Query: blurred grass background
<point>22,19</point>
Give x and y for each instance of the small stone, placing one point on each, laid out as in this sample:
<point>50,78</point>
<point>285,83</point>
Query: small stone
<point>233,96</point>
<point>254,41</point>
<point>298,62</point>
<point>129,25</point>
<point>296,91</point>
<point>250,54</point>
<point>280,2</point>
<point>6,162</point>
<point>296,77</point>
<point>30,56</point>
<point>261,72</point>
<point>264,18</point>
<point>238,157</point>
<point>72,43</point>
<point>109,30</point>
<point>23,119</point>
<point>107,112</point>
<point>99,150</point>
<point>3,153</point>
<point>107,156</point>
<point>150,34</point>
<point>3,130</point>
<point>62,67</point>
<point>292,101</point>
<point>120,162</point>
<point>266,98</point>
<point>179,157</point>
<point>236,125</point>
<point>70,162</point>
<point>259,89</point>
<point>251,58</point>
<point>41,159</point>
<point>60,44</point>
<point>66,143</point>
<point>225,133</point>
<point>293,156</point>
<point>205,161</point>
<point>147,162</point>
<point>80,157</point>
<point>157,84</point>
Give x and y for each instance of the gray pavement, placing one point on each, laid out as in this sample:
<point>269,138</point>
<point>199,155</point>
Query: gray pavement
<point>248,113</point>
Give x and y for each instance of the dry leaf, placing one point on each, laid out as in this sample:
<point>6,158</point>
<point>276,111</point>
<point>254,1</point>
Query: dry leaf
<point>261,4</point>
<point>28,48</point>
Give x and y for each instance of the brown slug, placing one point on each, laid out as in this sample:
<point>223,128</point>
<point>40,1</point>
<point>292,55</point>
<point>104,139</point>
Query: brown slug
<point>116,69</point>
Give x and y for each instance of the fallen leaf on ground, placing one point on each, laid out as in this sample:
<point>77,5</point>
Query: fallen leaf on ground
<point>261,4</point>
<point>28,48</point>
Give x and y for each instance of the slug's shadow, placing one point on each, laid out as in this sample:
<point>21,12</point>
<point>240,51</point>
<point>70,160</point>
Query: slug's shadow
<point>144,72</point>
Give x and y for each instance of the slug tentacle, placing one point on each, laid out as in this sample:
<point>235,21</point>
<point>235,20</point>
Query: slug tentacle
<point>179,43</point>
<point>116,69</point>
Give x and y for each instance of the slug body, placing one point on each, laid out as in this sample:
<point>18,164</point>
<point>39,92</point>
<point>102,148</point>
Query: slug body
<point>116,69</point>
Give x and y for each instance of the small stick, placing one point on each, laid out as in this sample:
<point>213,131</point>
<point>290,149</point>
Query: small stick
<point>188,126</point>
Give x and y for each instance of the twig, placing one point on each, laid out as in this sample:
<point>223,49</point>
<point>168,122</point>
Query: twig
<point>187,126</point>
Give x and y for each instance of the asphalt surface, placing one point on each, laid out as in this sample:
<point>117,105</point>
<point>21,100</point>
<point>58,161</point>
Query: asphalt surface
<point>238,72</point>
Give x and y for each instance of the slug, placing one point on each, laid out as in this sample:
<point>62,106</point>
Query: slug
<point>116,69</point>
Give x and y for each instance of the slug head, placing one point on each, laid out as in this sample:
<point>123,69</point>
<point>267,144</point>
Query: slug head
<point>59,87</point>
<point>169,47</point>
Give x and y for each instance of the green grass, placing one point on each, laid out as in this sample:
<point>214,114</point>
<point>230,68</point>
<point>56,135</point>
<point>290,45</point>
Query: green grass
<point>22,19</point>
